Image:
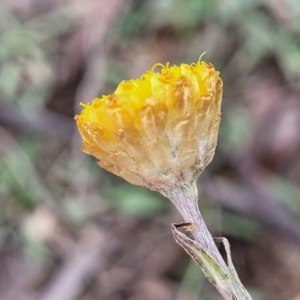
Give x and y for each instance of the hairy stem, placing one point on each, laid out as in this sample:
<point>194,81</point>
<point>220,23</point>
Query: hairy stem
<point>185,198</point>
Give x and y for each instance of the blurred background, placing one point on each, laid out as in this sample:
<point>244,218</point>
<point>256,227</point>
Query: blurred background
<point>70,230</point>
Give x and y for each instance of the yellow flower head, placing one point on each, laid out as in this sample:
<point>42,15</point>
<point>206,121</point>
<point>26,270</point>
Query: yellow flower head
<point>157,130</point>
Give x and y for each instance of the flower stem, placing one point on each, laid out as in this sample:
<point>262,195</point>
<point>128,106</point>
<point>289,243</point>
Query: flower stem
<point>203,248</point>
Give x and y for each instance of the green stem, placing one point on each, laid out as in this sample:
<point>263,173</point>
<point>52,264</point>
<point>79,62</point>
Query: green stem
<point>225,279</point>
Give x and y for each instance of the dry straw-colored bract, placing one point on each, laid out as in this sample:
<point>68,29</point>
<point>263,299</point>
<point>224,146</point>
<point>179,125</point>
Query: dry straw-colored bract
<point>159,129</point>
